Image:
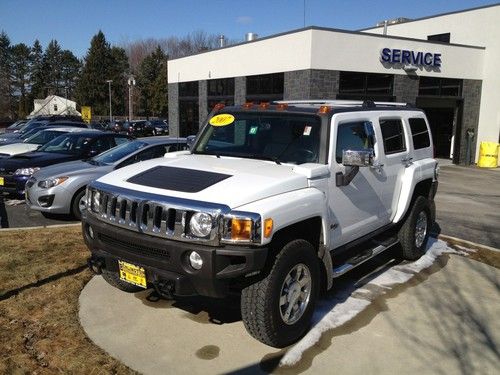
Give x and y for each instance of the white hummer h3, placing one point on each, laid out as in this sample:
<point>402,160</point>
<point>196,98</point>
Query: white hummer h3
<point>274,201</point>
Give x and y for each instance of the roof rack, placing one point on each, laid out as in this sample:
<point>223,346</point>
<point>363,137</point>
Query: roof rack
<point>342,103</point>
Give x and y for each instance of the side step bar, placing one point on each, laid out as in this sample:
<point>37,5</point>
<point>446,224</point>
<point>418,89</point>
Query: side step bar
<point>361,258</point>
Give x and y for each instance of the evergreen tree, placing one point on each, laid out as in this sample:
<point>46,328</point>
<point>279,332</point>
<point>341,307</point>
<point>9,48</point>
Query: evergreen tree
<point>37,77</point>
<point>152,82</point>
<point>52,65</point>
<point>20,77</point>
<point>70,71</point>
<point>102,63</point>
<point>6,102</point>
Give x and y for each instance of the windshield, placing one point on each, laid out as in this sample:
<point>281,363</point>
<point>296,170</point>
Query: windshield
<point>33,125</point>
<point>287,138</point>
<point>43,136</point>
<point>118,152</point>
<point>72,144</point>
<point>29,133</point>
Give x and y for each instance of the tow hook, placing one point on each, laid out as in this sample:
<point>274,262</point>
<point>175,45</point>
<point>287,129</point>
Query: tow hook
<point>165,288</point>
<point>95,265</point>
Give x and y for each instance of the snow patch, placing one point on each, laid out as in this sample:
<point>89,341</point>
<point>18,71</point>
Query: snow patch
<point>346,303</point>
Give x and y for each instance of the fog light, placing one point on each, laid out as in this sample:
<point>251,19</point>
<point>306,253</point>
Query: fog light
<point>195,260</point>
<point>91,232</point>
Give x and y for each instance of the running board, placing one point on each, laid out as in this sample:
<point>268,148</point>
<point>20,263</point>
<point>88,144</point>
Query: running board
<point>359,259</point>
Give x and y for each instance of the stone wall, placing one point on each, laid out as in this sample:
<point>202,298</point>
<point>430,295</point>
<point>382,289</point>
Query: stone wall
<point>173,109</point>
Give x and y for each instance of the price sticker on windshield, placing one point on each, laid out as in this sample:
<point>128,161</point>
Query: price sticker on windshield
<point>221,120</point>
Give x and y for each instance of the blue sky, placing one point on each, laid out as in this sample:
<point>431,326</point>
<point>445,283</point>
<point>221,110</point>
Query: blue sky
<point>73,23</point>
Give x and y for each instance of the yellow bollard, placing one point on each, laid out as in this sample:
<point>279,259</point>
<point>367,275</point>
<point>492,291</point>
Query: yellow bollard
<point>488,155</point>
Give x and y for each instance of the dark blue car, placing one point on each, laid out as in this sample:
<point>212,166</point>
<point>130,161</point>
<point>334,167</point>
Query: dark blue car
<point>16,170</point>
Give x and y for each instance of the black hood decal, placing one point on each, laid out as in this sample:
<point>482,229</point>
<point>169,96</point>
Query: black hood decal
<point>177,179</point>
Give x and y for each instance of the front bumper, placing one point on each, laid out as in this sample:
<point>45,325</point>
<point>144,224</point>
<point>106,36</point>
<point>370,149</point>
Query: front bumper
<point>56,200</point>
<point>14,185</point>
<point>168,260</point>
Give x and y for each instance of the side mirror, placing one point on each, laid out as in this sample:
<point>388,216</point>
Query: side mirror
<point>357,158</point>
<point>190,141</point>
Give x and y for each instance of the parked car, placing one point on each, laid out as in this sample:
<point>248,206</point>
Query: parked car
<point>35,141</point>
<point>37,125</point>
<point>16,170</point>
<point>60,189</point>
<point>140,128</point>
<point>15,126</point>
<point>159,127</point>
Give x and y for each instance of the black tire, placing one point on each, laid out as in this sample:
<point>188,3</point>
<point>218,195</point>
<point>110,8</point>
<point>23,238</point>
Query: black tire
<point>113,279</point>
<point>75,205</point>
<point>260,302</point>
<point>413,248</point>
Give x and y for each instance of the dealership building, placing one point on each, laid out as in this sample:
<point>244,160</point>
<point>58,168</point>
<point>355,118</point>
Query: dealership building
<point>445,64</point>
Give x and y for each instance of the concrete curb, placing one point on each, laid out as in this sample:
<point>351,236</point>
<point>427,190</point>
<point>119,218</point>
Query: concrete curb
<point>40,227</point>
<point>465,243</point>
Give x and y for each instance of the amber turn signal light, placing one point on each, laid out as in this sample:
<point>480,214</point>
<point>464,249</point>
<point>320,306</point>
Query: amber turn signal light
<point>268,228</point>
<point>241,229</point>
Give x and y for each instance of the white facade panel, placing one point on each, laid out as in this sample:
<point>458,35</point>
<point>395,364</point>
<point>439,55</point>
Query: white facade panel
<point>477,27</point>
<point>361,53</point>
<point>273,55</point>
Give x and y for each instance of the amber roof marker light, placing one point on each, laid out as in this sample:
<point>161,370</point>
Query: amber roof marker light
<point>324,109</point>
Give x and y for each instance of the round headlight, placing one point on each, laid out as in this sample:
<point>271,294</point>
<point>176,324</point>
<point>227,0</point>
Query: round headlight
<point>200,224</point>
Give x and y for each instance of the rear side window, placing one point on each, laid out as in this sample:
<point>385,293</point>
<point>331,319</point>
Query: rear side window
<point>419,133</point>
<point>393,135</point>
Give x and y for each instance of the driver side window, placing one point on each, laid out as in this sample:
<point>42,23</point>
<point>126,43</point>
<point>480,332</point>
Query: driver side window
<point>356,135</point>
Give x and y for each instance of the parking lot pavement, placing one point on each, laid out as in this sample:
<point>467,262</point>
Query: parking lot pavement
<point>443,320</point>
<point>15,214</point>
<point>468,204</point>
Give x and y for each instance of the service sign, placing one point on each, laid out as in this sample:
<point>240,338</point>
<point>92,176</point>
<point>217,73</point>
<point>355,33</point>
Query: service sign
<point>407,57</point>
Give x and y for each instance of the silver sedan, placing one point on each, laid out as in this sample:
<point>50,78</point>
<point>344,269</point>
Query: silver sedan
<point>60,189</point>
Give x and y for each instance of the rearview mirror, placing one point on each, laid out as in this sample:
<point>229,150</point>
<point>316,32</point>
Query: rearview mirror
<point>357,158</point>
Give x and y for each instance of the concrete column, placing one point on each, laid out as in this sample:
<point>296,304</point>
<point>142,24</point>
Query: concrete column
<point>202,102</point>
<point>240,90</point>
<point>406,88</point>
<point>173,109</point>
<point>471,93</point>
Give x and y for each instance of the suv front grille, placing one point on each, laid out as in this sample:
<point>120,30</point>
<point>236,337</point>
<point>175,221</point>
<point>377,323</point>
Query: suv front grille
<point>151,214</point>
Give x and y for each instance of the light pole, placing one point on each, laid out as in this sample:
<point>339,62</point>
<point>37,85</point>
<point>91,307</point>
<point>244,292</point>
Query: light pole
<point>131,83</point>
<point>110,112</point>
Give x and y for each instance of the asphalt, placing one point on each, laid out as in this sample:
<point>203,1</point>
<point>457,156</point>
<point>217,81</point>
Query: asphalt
<point>443,321</point>
<point>468,204</point>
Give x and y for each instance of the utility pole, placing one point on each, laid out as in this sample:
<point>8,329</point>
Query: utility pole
<point>131,83</point>
<point>110,112</point>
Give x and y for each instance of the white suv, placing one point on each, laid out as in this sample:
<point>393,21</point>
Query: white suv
<point>273,201</point>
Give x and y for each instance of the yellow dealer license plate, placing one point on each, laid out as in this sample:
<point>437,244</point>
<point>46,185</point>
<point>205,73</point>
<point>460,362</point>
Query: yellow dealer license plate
<point>1,181</point>
<point>132,274</point>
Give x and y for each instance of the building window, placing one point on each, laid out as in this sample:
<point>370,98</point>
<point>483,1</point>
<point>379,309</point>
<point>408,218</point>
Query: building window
<point>220,91</point>
<point>440,86</point>
<point>363,86</point>
<point>265,88</point>
<point>55,107</point>
<point>445,38</point>
<point>419,133</point>
<point>188,108</point>
<point>393,135</point>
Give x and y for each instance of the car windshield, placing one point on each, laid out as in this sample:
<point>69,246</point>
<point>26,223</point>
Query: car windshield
<point>119,152</point>
<point>30,126</point>
<point>288,138</point>
<point>43,136</point>
<point>29,133</point>
<point>72,144</point>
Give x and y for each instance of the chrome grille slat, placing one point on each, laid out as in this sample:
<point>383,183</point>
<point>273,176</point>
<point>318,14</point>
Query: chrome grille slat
<point>162,219</point>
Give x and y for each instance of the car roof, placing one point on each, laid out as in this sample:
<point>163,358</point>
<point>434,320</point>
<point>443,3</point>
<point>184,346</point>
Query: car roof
<point>161,139</point>
<point>65,129</point>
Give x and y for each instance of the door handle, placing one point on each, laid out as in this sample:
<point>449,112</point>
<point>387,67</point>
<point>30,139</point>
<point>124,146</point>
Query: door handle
<point>407,161</point>
<point>377,166</point>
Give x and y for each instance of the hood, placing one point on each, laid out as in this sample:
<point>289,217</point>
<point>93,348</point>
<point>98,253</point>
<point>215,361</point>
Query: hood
<point>34,159</point>
<point>18,148</point>
<point>226,180</point>
<point>72,168</point>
